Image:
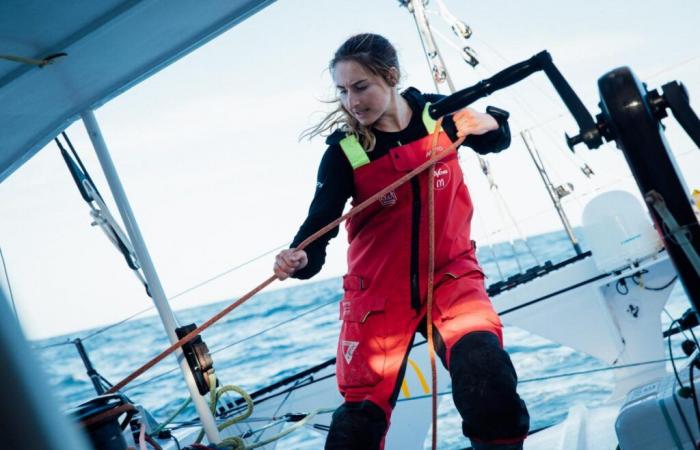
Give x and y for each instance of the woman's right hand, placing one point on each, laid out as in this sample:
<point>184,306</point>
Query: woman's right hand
<point>289,261</point>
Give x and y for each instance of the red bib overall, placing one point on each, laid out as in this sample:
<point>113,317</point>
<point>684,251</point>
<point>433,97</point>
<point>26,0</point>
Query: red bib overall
<point>386,284</point>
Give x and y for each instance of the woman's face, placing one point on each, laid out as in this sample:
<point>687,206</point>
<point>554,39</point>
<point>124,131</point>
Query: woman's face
<point>365,95</point>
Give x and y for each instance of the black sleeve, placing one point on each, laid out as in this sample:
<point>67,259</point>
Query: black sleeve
<point>334,185</point>
<point>491,142</point>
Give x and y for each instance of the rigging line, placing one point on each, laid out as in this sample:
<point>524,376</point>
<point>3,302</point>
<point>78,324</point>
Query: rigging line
<point>665,310</point>
<point>448,78</point>
<point>281,404</point>
<point>539,123</point>
<point>672,67</point>
<point>562,375</point>
<point>150,380</point>
<point>499,207</point>
<point>425,50</point>
<point>574,195</point>
<point>485,166</point>
<point>179,294</point>
<point>516,99</point>
<point>500,202</point>
<point>9,285</point>
<point>536,215</point>
<point>496,231</point>
<point>438,69</point>
<point>555,101</point>
<point>556,141</point>
<point>226,272</point>
<point>57,344</point>
<point>545,122</point>
<point>517,227</point>
<point>279,324</point>
<point>670,352</point>
<point>447,40</point>
<point>461,29</point>
<point>490,246</point>
<point>694,394</point>
<point>549,134</point>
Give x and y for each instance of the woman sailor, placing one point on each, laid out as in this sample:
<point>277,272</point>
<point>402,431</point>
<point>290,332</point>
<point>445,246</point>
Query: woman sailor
<point>379,135</point>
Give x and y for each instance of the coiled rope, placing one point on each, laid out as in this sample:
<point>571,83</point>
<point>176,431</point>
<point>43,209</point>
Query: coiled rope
<point>215,394</point>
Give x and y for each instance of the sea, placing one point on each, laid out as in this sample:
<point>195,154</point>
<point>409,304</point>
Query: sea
<point>281,332</point>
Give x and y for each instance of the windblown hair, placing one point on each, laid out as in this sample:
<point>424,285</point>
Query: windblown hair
<point>376,54</point>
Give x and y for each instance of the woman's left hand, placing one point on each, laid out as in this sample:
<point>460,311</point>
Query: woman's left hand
<point>469,121</point>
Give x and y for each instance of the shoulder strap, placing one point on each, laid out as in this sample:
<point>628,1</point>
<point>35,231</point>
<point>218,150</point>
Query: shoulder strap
<point>354,151</point>
<point>428,121</point>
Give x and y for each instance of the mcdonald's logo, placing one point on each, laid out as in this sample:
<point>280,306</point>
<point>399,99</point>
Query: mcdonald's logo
<point>421,379</point>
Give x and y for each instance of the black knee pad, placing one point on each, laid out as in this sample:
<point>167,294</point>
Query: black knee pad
<point>357,426</point>
<point>484,389</point>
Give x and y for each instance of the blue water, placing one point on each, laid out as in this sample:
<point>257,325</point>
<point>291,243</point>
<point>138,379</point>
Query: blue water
<point>302,343</point>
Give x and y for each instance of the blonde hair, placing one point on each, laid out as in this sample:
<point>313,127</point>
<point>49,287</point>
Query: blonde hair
<point>376,54</point>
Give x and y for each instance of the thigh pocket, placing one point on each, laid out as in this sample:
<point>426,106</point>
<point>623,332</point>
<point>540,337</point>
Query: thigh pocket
<point>361,346</point>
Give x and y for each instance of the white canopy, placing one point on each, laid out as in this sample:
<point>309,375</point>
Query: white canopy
<point>111,45</point>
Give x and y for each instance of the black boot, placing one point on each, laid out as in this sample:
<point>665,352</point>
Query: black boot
<point>357,426</point>
<point>484,391</point>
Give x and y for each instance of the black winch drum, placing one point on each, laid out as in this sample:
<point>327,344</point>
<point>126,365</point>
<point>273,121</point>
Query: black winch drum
<point>99,418</point>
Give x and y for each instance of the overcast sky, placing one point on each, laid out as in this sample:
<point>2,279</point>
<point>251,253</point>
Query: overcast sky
<point>208,152</point>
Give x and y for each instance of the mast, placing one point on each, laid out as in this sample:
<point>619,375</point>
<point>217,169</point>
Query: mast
<point>436,64</point>
<point>156,289</point>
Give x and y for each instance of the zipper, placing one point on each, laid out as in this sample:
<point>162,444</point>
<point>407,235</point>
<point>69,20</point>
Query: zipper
<point>415,230</point>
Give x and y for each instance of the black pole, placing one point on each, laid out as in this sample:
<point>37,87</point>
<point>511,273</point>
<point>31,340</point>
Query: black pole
<point>634,122</point>
<point>92,373</point>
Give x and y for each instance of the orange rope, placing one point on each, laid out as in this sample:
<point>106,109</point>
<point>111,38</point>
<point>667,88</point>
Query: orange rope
<point>109,414</point>
<point>431,276</point>
<point>191,335</point>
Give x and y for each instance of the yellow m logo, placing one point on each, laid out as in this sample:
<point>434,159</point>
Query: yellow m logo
<point>404,385</point>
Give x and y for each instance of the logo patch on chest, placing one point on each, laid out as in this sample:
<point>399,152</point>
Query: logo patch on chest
<point>388,199</point>
<point>441,175</point>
